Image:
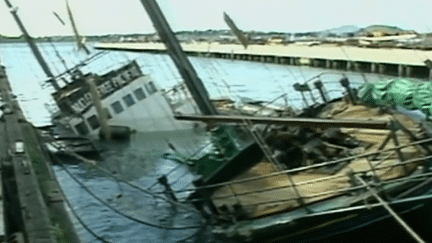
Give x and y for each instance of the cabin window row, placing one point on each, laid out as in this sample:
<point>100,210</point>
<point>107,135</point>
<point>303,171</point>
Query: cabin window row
<point>129,99</point>
<point>117,108</point>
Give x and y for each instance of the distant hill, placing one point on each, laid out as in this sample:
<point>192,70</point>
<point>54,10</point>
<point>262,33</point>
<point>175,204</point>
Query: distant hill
<point>343,30</point>
<point>390,30</point>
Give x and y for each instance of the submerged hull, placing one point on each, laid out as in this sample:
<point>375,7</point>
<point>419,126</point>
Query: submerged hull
<point>151,114</point>
<point>124,97</point>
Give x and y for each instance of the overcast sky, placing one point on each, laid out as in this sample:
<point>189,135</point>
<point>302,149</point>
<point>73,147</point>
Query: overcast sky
<point>96,17</point>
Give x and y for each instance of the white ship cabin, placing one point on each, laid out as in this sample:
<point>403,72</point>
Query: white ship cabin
<point>129,98</point>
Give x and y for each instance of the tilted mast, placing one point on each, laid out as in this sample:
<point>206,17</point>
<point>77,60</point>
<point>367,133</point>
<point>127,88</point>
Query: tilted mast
<point>188,73</point>
<point>33,46</point>
<point>78,38</point>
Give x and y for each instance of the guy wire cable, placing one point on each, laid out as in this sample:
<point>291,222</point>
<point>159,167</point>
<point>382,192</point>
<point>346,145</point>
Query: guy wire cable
<point>352,62</point>
<point>123,214</point>
<point>85,226</point>
<point>131,185</point>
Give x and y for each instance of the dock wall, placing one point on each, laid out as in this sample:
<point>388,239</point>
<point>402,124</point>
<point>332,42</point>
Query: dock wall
<point>33,204</point>
<point>388,61</point>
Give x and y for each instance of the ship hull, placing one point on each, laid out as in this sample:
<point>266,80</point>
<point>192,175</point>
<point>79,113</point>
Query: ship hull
<point>362,225</point>
<point>153,113</point>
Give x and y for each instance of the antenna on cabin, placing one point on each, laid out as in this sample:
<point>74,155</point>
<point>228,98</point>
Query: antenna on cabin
<point>33,46</point>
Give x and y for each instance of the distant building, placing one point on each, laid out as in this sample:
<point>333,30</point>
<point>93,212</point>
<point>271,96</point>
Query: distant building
<point>276,40</point>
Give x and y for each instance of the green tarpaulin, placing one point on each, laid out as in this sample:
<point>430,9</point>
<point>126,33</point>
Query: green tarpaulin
<point>406,93</point>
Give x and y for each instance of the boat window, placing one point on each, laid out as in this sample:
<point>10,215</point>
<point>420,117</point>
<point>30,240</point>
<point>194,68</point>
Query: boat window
<point>150,87</point>
<point>117,107</point>
<point>139,94</point>
<point>94,122</point>
<point>108,114</point>
<point>19,147</point>
<point>82,128</point>
<point>129,100</point>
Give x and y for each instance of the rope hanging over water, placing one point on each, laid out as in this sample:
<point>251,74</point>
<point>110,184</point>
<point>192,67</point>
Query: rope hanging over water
<point>84,225</point>
<point>123,214</point>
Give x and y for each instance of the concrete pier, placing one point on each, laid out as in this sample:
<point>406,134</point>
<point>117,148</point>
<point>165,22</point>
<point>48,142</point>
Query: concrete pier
<point>389,61</point>
<point>357,67</point>
<point>401,70</point>
<point>373,68</point>
<point>292,61</point>
<point>408,71</point>
<point>335,65</point>
<point>381,68</point>
<point>348,66</point>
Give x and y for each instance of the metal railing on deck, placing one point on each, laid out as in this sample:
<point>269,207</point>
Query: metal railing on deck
<point>324,164</point>
<point>374,168</point>
<point>354,183</point>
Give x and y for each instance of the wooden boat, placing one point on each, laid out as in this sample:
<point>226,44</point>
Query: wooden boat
<point>311,179</point>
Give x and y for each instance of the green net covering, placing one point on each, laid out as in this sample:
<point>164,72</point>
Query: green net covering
<point>406,93</point>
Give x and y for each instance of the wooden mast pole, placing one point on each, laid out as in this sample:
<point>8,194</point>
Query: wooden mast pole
<point>187,71</point>
<point>33,46</point>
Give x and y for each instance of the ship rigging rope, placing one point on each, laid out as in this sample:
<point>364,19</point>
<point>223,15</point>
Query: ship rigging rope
<point>291,73</point>
<point>58,54</point>
<point>344,190</point>
<point>270,102</point>
<point>300,71</point>
<point>167,174</point>
<point>84,225</point>
<point>83,63</point>
<point>218,87</point>
<point>180,165</point>
<point>180,177</point>
<point>216,73</point>
<point>322,74</point>
<point>147,191</point>
<point>48,54</point>
<point>179,80</point>
<point>123,214</point>
<point>391,211</point>
<point>317,166</point>
<point>352,62</point>
<point>273,77</point>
